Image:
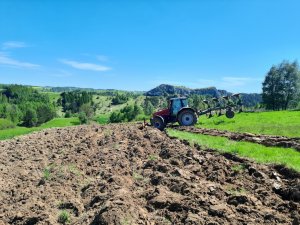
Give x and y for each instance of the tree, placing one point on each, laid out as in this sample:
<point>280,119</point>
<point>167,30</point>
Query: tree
<point>30,118</point>
<point>148,107</point>
<point>86,113</point>
<point>45,113</point>
<point>280,86</point>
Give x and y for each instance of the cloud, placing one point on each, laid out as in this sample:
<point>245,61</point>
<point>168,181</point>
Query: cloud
<point>13,44</point>
<point>5,60</point>
<point>84,66</point>
<point>102,58</point>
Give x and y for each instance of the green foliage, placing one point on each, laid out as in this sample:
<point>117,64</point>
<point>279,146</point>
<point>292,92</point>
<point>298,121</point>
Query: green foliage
<point>280,87</point>
<point>72,101</point>
<point>30,118</point>
<point>127,114</point>
<point>83,118</point>
<point>64,217</point>
<point>5,124</point>
<point>25,105</point>
<point>196,102</point>
<point>285,123</point>
<point>45,113</point>
<point>103,119</point>
<point>148,107</point>
<point>46,174</point>
<point>284,156</point>
<point>119,99</point>
<point>86,113</point>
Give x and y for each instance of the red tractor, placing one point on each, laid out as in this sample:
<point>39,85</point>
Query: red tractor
<point>179,111</point>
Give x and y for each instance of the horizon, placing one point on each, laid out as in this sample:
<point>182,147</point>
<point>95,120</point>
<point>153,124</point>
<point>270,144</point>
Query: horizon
<point>138,45</point>
<point>29,85</point>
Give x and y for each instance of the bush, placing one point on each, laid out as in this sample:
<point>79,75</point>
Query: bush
<point>83,118</point>
<point>119,99</point>
<point>45,113</point>
<point>127,114</point>
<point>5,124</point>
<point>30,118</point>
<point>86,113</point>
<point>68,114</point>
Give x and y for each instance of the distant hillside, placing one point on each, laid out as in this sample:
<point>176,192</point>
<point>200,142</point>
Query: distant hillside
<point>249,100</point>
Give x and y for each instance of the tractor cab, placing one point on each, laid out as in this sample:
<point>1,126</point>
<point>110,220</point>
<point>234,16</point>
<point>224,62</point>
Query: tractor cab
<point>176,104</point>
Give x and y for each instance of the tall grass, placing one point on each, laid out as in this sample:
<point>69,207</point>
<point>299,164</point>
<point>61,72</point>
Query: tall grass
<point>285,123</point>
<point>261,154</point>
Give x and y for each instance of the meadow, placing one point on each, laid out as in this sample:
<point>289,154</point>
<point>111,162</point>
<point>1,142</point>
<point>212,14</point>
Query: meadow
<point>282,123</point>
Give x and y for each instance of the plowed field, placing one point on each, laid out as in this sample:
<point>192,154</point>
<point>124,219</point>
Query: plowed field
<point>120,174</point>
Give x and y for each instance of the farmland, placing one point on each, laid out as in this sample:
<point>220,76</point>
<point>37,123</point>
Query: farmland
<point>121,174</point>
<point>79,174</point>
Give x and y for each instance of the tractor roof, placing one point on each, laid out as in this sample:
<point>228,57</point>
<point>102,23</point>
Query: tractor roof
<point>178,98</point>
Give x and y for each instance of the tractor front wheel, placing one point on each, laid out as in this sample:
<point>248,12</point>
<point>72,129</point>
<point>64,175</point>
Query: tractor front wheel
<point>229,114</point>
<point>187,117</point>
<point>159,123</point>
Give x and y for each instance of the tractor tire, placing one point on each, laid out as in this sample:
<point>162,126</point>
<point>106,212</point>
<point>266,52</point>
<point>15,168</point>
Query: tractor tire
<point>229,114</point>
<point>187,117</point>
<point>159,123</point>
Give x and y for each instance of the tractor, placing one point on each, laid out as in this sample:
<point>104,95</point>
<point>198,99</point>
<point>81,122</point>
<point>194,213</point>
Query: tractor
<point>179,111</point>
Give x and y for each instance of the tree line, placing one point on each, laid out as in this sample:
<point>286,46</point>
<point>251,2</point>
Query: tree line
<point>22,105</point>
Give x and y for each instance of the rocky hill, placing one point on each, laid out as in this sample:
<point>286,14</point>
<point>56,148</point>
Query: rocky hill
<point>166,89</point>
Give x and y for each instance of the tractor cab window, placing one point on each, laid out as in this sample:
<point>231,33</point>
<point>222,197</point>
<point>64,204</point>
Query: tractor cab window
<point>184,103</point>
<point>175,106</point>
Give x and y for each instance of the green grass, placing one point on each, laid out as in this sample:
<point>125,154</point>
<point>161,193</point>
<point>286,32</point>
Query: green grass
<point>102,119</point>
<point>261,154</point>
<point>57,122</point>
<point>285,123</point>
<point>64,217</point>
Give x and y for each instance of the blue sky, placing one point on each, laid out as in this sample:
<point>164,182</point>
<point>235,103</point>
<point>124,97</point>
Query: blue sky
<point>139,44</point>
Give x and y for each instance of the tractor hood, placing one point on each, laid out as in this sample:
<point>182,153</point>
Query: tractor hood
<point>163,112</point>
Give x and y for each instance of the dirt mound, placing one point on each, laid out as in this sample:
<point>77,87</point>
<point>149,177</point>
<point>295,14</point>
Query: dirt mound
<point>119,174</point>
<point>267,140</point>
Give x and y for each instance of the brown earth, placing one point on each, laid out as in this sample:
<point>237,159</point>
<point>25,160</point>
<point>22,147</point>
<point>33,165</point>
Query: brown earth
<point>267,140</point>
<point>119,174</point>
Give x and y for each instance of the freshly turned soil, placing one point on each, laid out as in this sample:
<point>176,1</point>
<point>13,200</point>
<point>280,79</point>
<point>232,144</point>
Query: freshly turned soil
<point>120,174</point>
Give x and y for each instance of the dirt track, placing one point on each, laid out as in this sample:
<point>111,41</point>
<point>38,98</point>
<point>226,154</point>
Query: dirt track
<point>267,140</point>
<point>119,174</point>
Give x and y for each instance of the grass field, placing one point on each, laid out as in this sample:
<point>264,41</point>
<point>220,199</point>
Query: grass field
<point>57,122</point>
<point>259,153</point>
<point>285,123</point>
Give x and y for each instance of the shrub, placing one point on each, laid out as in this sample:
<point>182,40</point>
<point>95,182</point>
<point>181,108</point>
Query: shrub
<point>5,124</point>
<point>83,118</point>
<point>30,118</point>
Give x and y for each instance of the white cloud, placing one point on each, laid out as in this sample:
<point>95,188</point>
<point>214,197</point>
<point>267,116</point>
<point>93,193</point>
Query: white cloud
<point>102,58</point>
<point>85,66</point>
<point>13,44</point>
<point>7,61</point>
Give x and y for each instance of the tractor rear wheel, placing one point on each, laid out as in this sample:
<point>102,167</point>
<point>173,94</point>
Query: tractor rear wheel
<point>159,123</point>
<point>187,117</point>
